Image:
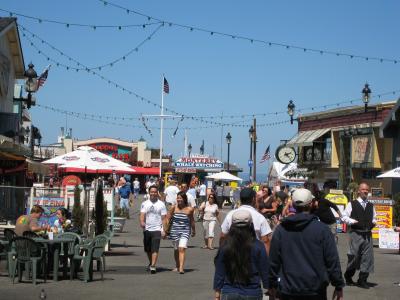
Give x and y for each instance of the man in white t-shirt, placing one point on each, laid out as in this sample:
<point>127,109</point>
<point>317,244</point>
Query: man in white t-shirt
<point>203,192</point>
<point>152,220</point>
<point>136,188</point>
<point>170,194</point>
<point>191,199</point>
<point>261,227</point>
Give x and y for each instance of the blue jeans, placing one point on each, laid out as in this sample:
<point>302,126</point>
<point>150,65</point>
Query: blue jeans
<point>239,297</point>
<point>124,203</point>
<point>136,192</point>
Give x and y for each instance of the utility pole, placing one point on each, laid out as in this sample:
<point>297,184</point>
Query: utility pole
<point>254,150</point>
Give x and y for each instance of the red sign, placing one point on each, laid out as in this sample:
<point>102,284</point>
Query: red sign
<point>105,147</point>
<point>71,180</point>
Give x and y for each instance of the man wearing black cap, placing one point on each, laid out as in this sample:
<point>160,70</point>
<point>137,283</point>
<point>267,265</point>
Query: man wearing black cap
<point>303,255</point>
<point>261,227</point>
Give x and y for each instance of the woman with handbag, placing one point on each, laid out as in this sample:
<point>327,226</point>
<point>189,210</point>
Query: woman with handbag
<point>210,214</point>
<point>182,226</point>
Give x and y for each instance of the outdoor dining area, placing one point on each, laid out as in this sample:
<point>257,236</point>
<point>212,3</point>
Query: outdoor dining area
<point>35,257</point>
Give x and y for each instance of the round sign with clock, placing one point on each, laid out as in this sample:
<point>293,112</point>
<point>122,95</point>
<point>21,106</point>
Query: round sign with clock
<point>285,154</point>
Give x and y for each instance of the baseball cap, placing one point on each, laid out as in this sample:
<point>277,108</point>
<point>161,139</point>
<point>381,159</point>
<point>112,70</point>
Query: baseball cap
<point>247,193</point>
<point>241,218</point>
<point>302,197</point>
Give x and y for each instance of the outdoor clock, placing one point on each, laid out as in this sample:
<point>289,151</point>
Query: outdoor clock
<point>285,154</point>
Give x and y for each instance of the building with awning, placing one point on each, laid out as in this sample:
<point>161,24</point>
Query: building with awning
<point>344,145</point>
<point>390,128</point>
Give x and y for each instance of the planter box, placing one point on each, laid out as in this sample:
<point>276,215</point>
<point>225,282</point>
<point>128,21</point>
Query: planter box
<point>119,223</point>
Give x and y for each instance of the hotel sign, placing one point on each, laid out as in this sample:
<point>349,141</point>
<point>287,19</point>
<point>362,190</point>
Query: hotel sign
<point>199,163</point>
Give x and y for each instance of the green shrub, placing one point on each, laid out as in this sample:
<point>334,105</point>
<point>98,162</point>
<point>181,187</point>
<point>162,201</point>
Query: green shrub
<point>78,214</point>
<point>100,211</point>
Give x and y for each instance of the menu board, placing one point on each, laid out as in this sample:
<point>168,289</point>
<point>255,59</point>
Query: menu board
<point>384,215</point>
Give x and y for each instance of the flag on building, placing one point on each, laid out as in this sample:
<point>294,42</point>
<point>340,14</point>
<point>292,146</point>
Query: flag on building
<point>266,156</point>
<point>43,77</point>
<point>166,86</point>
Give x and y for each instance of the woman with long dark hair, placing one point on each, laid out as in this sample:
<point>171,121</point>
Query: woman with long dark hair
<point>241,263</point>
<point>182,228</point>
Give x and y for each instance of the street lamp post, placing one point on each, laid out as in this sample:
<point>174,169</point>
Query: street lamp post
<point>228,141</point>
<point>251,134</point>
<point>291,108</point>
<point>190,149</point>
<point>366,95</point>
<point>31,86</point>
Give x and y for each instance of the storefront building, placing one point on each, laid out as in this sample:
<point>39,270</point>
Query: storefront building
<point>344,145</point>
<point>391,129</point>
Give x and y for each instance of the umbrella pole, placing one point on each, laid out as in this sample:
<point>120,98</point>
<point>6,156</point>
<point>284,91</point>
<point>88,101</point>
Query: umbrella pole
<point>86,231</point>
<point>112,202</point>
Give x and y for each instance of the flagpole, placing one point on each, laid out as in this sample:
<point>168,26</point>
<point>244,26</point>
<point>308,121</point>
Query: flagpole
<point>162,124</point>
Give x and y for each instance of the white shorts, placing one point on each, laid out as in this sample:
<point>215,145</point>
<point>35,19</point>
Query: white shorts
<point>181,243</point>
<point>208,229</point>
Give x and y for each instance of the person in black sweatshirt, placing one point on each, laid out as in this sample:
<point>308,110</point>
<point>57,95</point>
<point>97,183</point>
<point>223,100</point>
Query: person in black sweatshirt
<point>322,208</point>
<point>304,256</point>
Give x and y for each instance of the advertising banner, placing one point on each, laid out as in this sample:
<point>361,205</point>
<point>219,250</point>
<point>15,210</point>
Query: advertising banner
<point>50,206</point>
<point>384,215</point>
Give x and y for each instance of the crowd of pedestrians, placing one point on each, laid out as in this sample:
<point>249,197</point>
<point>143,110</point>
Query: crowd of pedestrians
<point>280,240</point>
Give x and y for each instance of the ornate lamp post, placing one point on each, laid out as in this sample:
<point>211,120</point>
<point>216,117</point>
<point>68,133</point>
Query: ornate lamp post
<point>291,108</point>
<point>228,141</point>
<point>366,92</point>
<point>31,84</point>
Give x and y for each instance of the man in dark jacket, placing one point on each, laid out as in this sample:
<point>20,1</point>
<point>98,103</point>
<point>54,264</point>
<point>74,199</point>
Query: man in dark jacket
<point>303,255</point>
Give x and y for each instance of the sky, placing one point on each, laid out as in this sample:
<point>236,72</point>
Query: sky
<point>208,74</point>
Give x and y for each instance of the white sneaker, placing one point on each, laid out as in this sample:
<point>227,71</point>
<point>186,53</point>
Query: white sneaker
<point>153,270</point>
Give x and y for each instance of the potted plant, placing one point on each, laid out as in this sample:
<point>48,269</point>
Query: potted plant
<point>120,216</point>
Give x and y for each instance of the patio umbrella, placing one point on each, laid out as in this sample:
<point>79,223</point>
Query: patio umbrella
<point>395,173</point>
<point>224,176</point>
<point>86,159</point>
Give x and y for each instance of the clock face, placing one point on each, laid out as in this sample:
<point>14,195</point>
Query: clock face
<point>286,154</point>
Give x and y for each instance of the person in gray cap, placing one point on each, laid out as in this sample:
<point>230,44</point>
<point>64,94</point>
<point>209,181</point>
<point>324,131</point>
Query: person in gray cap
<point>304,256</point>
<point>261,227</point>
<point>241,263</point>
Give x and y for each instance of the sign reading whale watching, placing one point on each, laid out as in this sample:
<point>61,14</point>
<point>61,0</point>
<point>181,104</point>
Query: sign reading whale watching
<point>199,162</point>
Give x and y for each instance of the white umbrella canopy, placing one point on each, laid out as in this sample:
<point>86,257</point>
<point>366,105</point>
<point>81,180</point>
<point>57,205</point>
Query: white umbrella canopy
<point>224,176</point>
<point>88,159</point>
<point>395,173</point>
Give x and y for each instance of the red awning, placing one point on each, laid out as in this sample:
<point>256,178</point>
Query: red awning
<point>91,171</point>
<point>146,171</point>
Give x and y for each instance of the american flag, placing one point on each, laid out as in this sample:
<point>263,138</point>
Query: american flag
<point>42,78</point>
<point>166,86</point>
<point>266,156</point>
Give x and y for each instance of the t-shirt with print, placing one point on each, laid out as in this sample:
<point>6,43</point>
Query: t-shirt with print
<point>25,223</point>
<point>153,212</point>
